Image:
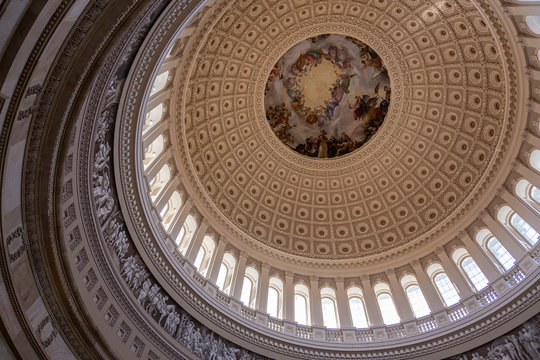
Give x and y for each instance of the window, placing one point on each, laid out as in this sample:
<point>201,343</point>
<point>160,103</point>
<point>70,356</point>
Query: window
<point>275,297</point>
<point>249,287</point>
<point>159,83</point>
<point>469,267</point>
<point>153,117</point>
<point>533,22</point>
<point>442,282</point>
<point>496,251</point>
<point>204,256</point>
<point>186,234</point>
<point>517,225</point>
<point>500,253</point>
<point>329,308</point>
<point>356,305</point>
<point>226,273</point>
<point>524,229</point>
<point>447,289</point>
<point>529,193</point>
<point>534,159</point>
<point>474,273</point>
<point>301,304</point>
<point>415,296</point>
<point>386,304</point>
<point>153,150</point>
<point>159,181</point>
<point>170,209</point>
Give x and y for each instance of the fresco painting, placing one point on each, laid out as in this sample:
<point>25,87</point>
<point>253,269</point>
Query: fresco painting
<point>327,96</point>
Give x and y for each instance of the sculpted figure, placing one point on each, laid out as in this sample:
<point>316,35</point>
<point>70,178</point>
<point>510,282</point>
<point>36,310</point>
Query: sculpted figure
<point>522,354</point>
<point>143,292</point>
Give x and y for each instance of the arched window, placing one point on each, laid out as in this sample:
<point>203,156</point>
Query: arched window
<point>467,264</point>
<point>534,159</point>
<point>226,273</point>
<point>533,22</point>
<point>202,262</point>
<point>415,296</point>
<point>159,83</point>
<point>329,308</point>
<point>494,248</point>
<point>186,234</point>
<point>275,297</point>
<point>159,181</point>
<point>501,254</point>
<point>356,305</point>
<point>442,282</point>
<point>301,304</point>
<point>153,150</point>
<point>153,117</point>
<point>509,218</point>
<point>170,210</point>
<point>249,287</point>
<point>386,304</point>
<point>529,193</point>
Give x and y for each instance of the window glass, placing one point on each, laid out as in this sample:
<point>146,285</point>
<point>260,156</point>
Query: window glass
<point>417,301</point>
<point>388,310</point>
<point>500,253</point>
<point>474,273</point>
<point>246,291</point>
<point>273,302</point>
<point>358,312</point>
<point>524,229</point>
<point>447,290</point>
<point>329,313</point>
<point>300,309</point>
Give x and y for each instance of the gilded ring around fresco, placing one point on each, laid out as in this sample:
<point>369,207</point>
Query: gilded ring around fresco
<point>327,96</point>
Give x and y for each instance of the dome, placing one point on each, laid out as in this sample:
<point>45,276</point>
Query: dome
<point>288,179</point>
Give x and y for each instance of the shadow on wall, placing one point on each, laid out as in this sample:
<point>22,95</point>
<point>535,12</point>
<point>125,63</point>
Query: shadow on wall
<point>522,343</point>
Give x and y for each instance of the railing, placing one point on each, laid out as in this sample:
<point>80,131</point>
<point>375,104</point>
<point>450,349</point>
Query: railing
<point>334,335</point>
<point>515,276</point>
<point>457,312</point>
<point>395,331</point>
<point>486,297</point>
<point>536,255</point>
<point>248,313</point>
<point>364,336</point>
<point>275,324</point>
<point>304,332</point>
<point>426,325</point>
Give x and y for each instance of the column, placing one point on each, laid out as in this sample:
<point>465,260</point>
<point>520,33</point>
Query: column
<point>215,264</point>
<point>288,297</point>
<point>521,209</point>
<point>158,98</point>
<point>154,132</point>
<point>454,274</point>
<point>157,164</point>
<point>528,174</point>
<point>498,230</point>
<point>196,241</point>
<point>374,316</point>
<point>400,300</point>
<point>315,302</point>
<point>344,312</point>
<point>166,194</point>
<point>236,286</point>
<point>428,289</point>
<point>261,302</point>
<point>480,257</point>
<point>181,219</point>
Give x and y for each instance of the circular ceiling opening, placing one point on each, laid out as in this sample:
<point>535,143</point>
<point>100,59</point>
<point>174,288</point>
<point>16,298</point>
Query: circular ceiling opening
<point>327,96</point>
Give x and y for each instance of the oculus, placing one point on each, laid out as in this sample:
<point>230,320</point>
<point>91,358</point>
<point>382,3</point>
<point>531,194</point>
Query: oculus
<point>327,96</point>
